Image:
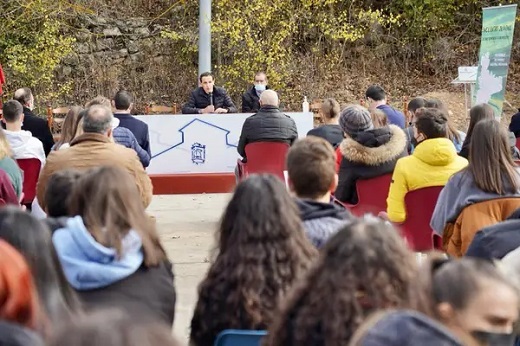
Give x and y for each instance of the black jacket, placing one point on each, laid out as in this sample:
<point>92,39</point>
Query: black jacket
<point>149,292</point>
<point>200,100</point>
<point>515,153</point>
<point>16,335</point>
<point>138,127</point>
<point>251,101</point>
<point>371,154</point>
<point>39,129</point>
<point>331,133</point>
<point>514,125</point>
<point>268,125</point>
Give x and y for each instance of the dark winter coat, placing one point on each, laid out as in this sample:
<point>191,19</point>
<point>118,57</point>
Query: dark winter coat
<point>331,133</point>
<point>200,100</point>
<point>138,127</point>
<point>514,125</point>
<point>322,220</point>
<point>268,125</point>
<point>39,128</point>
<point>16,335</point>
<point>126,138</point>
<point>370,154</point>
<point>251,101</point>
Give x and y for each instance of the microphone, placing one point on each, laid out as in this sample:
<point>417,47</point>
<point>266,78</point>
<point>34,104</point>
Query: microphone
<point>211,98</point>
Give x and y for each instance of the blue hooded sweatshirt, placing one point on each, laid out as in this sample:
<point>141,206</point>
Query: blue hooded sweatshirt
<point>90,265</point>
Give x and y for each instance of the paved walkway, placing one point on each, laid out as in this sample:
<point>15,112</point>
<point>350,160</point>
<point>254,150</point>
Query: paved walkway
<point>187,225</point>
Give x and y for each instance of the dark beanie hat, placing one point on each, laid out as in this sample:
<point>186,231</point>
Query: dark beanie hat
<point>355,119</point>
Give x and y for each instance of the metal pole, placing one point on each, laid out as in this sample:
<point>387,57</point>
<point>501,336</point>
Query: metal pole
<point>204,36</point>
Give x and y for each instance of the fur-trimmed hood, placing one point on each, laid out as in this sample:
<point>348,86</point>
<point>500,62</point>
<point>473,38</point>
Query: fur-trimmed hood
<point>387,143</point>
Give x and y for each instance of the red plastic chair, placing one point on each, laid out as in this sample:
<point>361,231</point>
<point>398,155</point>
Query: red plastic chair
<point>31,172</point>
<point>264,157</point>
<point>419,210</point>
<point>372,194</point>
<point>518,142</point>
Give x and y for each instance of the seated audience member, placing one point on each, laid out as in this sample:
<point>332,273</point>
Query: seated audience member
<point>330,130</point>
<point>367,152</point>
<point>36,125</point>
<point>403,328</point>
<point>123,104</point>
<point>268,125</point>
<point>379,118</point>
<point>110,252</point>
<point>23,144</point>
<point>57,197</point>
<point>490,175</point>
<point>413,106</point>
<point>112,328</point>
<point>456,136</point>
<point>122,135</point>
<point>21,320</point>
<point>10,166</point>
<point>208,98</point>
<point>33,240</point>
<point>261,252</point>
<point>514,126</point>
<point>94,148</point>
<point>364,267</point>
<point>469,297</point>
<point>310,163</point>
<point>376,98</point>
<point>68,130</point>
<point>432,163</point>
<point>477,113</point>
<point>251,98</point>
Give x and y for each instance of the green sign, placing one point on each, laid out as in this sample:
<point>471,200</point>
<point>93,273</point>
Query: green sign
<point>498,25</point>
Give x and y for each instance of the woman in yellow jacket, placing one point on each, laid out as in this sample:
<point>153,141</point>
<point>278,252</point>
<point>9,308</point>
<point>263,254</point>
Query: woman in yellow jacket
<point>432,163</point>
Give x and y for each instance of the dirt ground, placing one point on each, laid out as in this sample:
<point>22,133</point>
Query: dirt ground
<point>187,224</point>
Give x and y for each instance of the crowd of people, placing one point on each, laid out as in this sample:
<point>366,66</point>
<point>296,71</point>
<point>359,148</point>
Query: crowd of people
<point>86,265</point>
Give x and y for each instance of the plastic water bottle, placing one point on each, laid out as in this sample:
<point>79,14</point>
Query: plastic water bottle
<point>305,105</point>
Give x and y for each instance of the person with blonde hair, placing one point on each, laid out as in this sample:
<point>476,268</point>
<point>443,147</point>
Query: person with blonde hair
<point>9,165</point>
<point>330,130</point>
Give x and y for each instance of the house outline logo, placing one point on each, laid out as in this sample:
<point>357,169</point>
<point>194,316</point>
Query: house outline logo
<point>198,153</point>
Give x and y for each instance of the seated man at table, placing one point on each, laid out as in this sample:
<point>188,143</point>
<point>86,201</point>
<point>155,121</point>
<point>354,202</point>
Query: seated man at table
<point>268,125</point>
<point>209,98</point>
<point>251,98</point>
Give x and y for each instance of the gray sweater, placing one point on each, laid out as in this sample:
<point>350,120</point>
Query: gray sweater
<point>459,192</point>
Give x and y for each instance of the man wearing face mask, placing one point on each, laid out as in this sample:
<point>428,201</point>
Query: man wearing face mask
<point>38,126</point>
<point>251,98</point>
<point>209,98</point>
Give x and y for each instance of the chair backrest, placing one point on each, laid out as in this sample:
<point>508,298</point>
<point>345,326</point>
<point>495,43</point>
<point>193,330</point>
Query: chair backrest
<point>235,337</point>
<point>518,142</point>
<point>31,172</point>
<point>372,194</point>
<point>159,109</point>
<point>266,157</point>
<point>419,209</point>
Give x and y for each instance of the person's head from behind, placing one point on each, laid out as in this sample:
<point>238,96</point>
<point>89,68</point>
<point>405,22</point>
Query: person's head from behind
<point>379,118</point>
<point>123,101</point>
<point>19,301</point>
<point>58,193</point>
<point>430,123</point>
<point>12,113</point>
<point>491,164</point>
<point>269,98</point>
<point>207,82</point>
<point>436,103</point>
<point>33,240</point>
<point>108,201</point>
<point>5,147</point>
<point>414,105</point>
<point>70,126</point>
<point>98,119</point>
<point>260,81</point>
<point>355,119</point>
<point>364,267</point>
<point>469,296</point>
<point>100,100</point>
<point>25,97</point>
<point>311,168</point>
<point>329,110</point>
<point>375,96</point>
<point>112,328</point>
<point>477,113</point>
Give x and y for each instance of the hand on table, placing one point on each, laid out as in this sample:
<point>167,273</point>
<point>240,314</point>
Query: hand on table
<point>208,109</point>
<point>221,110</point>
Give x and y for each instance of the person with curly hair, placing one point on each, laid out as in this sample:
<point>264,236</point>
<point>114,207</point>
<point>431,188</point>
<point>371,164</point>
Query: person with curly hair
<point>366,266</point>
<point>261,251</point>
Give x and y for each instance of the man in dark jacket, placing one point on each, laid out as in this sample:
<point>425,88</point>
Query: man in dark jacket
<point>208,98</point>
<point>376,98</point>
<point>38,126</point>
<point>268,125</point>
<point>251,98</point>
<point>312,176</point>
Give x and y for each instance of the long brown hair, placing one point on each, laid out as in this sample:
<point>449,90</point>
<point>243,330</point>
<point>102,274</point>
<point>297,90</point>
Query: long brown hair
<point>70,124</point>
<point>366,266</point>
<point>451,131</point>
<point>108,201</point>
<point>262,250</point>
<point>493,169</point>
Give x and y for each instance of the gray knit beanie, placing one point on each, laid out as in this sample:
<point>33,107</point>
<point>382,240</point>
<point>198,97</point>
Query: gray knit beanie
<point>355,119</point>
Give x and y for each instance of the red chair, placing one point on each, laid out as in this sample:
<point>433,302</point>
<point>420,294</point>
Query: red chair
<point>264,157</point>
<point>518,142</point>
<point>419,210</point>
<point>31,172</point>
<point>372,194</point>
